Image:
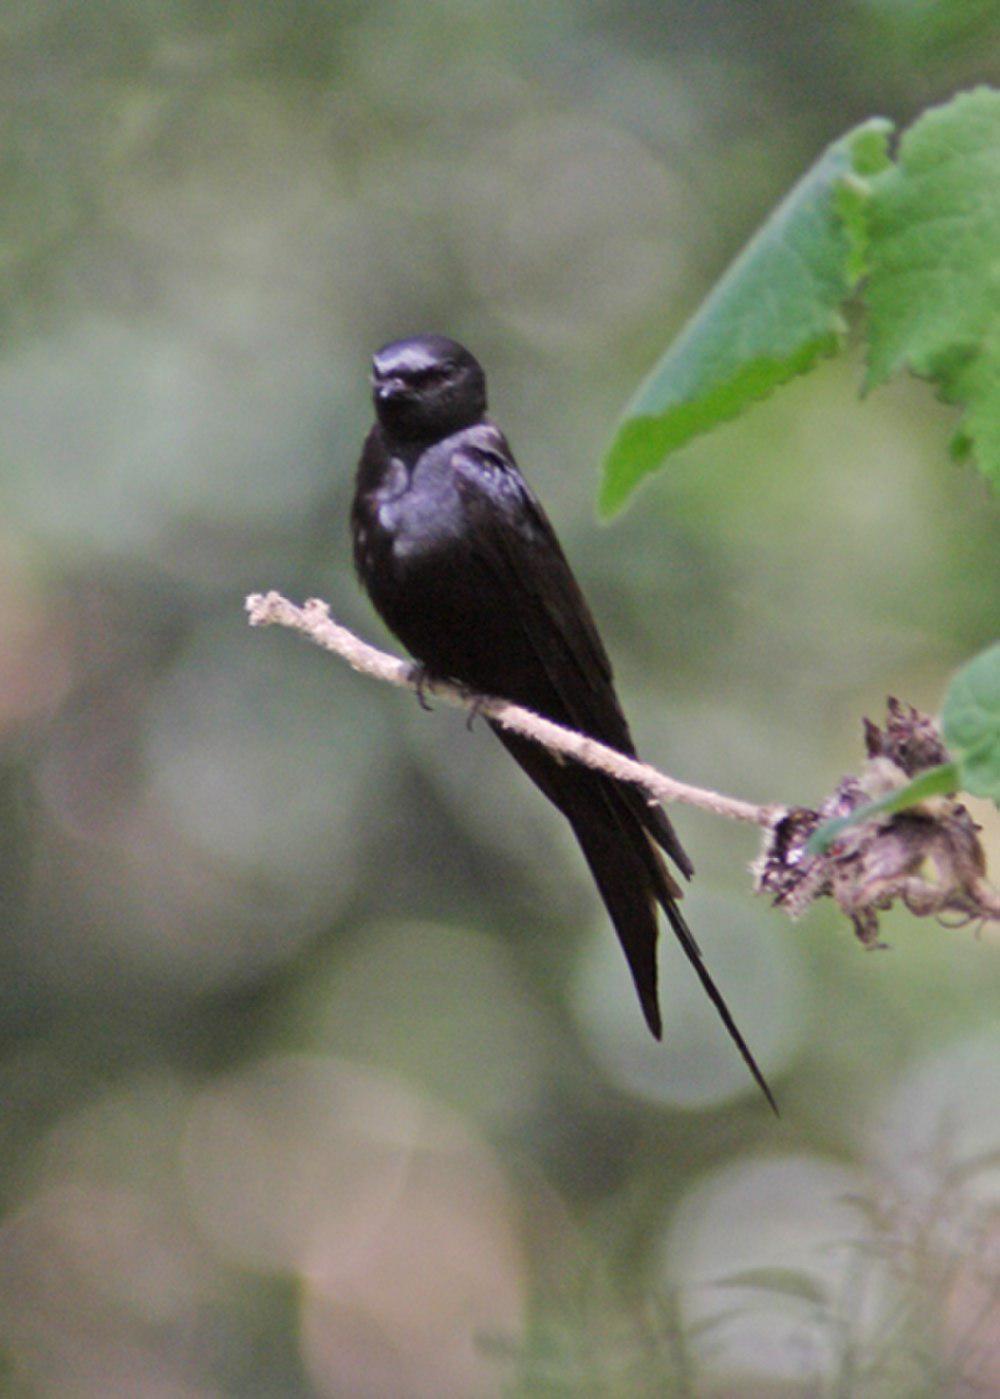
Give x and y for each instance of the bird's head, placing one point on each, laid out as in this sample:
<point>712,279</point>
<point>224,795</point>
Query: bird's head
<point>427,387</point>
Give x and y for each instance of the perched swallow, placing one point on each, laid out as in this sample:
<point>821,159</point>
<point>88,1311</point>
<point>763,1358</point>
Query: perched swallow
<point>463,565</point>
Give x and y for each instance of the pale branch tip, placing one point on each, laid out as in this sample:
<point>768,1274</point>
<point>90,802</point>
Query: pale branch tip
<point>867,868</point>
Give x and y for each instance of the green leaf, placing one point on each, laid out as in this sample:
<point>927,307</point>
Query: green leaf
<point>773,314</point>
<point>933,293</point>
<point>970,721</point>
<point>935,782</point>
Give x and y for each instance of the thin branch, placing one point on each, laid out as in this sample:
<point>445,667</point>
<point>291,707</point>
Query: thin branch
<point>314,621</point>
<point>868,867</point>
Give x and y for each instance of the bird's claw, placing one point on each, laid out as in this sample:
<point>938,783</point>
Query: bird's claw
<point>420,678</point>
<point>475,709</point>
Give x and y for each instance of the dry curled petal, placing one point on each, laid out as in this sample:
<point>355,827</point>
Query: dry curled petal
<point>927,856</point>
<point>910,739</point>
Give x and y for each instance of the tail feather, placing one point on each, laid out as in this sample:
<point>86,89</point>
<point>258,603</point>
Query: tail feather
<point>616,831</point>
<point>632,904</point>
<point>623,882</point>
<point>686,940</point>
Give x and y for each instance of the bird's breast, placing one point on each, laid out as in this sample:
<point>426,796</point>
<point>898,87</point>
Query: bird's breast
<point>419,514</point>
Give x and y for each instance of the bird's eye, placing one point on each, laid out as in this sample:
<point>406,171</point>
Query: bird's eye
<point>433,374</point>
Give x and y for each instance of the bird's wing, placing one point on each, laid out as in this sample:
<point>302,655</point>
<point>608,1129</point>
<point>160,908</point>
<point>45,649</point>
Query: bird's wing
<point>516,542</point>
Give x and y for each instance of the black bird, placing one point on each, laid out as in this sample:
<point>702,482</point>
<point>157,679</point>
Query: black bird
<point>461,562</point>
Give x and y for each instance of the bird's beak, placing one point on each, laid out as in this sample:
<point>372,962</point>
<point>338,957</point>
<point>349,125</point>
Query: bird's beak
<point>386,389</point>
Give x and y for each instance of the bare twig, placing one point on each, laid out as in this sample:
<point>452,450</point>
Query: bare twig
<point>872,864</point>
<point>315,622</point>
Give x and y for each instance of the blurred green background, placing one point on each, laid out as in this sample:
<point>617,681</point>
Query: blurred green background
<point>321,1073</point>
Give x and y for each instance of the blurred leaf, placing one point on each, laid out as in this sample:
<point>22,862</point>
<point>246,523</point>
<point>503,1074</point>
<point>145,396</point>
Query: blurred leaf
<point>934,294</point>
<point>935,782</point>
<point>970,721</point>
<point>705,1325</point>
<point>773,314</point>
<point>932,30</point>
<point>785,1282</point>
<point>872,1210</point>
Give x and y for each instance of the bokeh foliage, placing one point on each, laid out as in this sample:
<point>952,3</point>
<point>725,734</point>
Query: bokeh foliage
<point>320,1068</point>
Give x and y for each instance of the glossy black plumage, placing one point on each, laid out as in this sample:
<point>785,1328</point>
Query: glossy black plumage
<point>462,563</point>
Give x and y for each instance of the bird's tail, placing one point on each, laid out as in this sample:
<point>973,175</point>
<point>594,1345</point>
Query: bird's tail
<point>686,939</point>
<point>623,880</point>
<point>631,885</point>
<point>617,834</point>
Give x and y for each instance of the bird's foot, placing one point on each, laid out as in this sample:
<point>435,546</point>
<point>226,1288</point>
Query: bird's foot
<point>475,701</point>
<point>475,709</point>
<point>420,677</point>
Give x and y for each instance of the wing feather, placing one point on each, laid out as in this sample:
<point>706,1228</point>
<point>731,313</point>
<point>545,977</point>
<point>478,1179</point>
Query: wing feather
<point>574,679</point>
